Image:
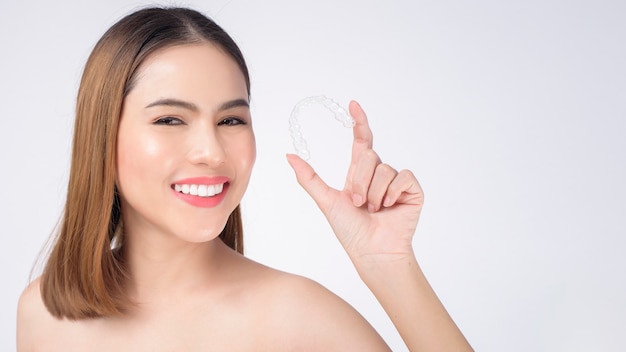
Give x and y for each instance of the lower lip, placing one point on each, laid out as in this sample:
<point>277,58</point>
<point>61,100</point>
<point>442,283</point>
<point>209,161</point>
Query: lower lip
<point>203,202</point>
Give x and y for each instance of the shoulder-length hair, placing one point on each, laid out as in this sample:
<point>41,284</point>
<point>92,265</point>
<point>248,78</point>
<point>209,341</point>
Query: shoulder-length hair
<point>85,276</point>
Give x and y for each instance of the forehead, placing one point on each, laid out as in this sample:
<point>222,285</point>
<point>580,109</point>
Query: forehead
<point>201,73</point>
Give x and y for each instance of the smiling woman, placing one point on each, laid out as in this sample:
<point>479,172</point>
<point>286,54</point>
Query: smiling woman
<point>199,136</point>
<point>149,253</point>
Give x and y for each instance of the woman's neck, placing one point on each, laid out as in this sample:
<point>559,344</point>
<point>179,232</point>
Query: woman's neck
<point>162,268</point>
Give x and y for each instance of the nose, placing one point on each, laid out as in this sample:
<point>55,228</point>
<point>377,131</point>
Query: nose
<point>206,147</point>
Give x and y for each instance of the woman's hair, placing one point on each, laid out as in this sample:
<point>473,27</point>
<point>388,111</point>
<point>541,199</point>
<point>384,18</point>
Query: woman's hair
<point>85,276</point>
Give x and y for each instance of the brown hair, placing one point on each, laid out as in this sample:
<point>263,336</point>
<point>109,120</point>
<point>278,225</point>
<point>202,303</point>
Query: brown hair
<point>85,276</point>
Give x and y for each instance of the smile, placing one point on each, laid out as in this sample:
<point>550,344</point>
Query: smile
<point>199,190</point>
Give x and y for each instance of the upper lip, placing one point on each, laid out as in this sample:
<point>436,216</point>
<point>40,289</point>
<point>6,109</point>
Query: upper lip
<point>203,180</point>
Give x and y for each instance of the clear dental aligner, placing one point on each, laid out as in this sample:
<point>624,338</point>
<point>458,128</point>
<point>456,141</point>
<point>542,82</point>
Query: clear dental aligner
<point>340,113</point>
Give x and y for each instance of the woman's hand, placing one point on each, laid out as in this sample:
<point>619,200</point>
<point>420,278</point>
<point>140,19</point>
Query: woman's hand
<point>374,218</point>
<point>376,213</point>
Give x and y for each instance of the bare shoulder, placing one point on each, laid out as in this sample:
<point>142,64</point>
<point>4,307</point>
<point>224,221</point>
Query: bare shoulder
<point>33,319</point>
<point>310,317</point>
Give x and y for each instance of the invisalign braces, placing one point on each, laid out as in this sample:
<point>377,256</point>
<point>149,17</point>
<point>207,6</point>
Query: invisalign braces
<point>340,113</point>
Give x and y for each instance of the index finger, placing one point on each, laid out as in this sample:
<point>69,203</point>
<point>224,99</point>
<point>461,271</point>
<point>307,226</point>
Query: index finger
<point>363,137</point>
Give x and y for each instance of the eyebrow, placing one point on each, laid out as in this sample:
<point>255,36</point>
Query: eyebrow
<point>193,107</point>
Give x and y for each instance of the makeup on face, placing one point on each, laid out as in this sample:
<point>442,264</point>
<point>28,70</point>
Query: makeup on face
<point>185,143</point>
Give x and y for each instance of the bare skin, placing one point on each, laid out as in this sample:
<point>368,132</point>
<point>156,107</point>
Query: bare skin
<point>251,308</point>
<point>195,294</point>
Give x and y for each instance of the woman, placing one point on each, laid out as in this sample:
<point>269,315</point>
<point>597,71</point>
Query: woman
<point>149,253</point>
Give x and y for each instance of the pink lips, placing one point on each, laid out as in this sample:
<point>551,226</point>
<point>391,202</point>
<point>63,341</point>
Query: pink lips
<point>203,202</point>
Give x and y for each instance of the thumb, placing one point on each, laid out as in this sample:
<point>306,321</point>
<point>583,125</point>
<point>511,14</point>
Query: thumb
<point>311,182</point>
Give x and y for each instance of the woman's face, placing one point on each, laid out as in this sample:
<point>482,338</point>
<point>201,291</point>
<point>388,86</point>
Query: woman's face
<point>185,147</point>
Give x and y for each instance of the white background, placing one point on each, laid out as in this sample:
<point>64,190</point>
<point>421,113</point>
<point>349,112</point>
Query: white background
<point>511,114</point>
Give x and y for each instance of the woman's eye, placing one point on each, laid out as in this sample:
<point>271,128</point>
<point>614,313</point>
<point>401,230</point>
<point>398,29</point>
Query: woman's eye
<point>231,121</point>
<point>168,121</point>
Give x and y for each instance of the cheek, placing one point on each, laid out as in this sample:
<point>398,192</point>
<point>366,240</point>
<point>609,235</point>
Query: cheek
<point>246,151</point>
<point>139,155</point>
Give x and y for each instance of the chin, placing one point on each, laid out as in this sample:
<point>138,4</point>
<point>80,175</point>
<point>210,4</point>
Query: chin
<point>201,235</point>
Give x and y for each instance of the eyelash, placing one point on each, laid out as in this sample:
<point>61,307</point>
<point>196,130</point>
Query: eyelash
<point>173,121</point>
<point>232,121</point>
<point>168,121</point>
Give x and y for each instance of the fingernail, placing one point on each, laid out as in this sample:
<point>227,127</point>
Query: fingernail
<point>371,208</point>
<point>357,199</point>
<point>387,202</point>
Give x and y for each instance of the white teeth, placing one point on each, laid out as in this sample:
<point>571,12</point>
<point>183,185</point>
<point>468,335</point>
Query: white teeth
<point>199,190</point>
